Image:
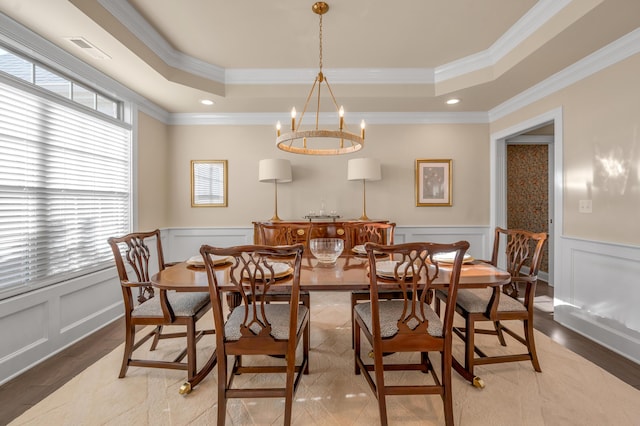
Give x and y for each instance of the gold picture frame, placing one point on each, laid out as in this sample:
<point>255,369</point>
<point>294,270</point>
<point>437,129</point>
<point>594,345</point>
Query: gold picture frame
<point>209,183</point>
<point>433,183</point>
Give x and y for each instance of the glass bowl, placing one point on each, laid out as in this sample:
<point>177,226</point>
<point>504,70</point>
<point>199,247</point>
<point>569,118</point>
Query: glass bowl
<point>326,250</point>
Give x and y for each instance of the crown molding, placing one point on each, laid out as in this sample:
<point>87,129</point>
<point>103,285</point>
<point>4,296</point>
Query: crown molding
<point>525,26</point>
<point>607,56</point>
<point>528,24</point>
<point>269,119</point>
<point>138,26</point>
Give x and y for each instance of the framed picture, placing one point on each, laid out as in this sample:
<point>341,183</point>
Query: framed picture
<point>208,183</point>
<point>433,183</point>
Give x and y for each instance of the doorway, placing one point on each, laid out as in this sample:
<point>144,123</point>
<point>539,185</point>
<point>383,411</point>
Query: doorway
<point>499,207</point>
<point>529,187</point>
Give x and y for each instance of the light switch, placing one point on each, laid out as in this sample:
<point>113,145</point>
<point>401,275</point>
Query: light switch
<point>584,206</point>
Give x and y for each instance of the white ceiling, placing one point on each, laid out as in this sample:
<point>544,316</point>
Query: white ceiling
<point>379,56</point>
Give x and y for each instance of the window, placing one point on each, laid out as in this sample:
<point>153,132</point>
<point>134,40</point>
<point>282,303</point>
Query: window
<point>25,69</point>
<point>64,185</point>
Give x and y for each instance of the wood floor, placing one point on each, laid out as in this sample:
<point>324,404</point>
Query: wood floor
<point>26,390</point>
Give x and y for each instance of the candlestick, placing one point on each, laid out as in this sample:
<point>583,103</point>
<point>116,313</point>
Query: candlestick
<point>341,114</point>
<point>278,128</point>
<point>362,129</point>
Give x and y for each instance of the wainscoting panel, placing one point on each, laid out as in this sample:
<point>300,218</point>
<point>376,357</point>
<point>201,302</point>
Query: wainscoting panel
<point>480,237</point>
<point>78,307</point>
<point>180,244</point>
<point>598,293</point>
<point>38,324</point>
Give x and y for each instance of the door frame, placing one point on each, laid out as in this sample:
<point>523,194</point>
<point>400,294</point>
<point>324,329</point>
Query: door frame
<point>498,175</point>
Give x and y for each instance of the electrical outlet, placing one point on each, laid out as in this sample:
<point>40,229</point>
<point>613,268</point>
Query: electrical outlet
<point>584,206</point>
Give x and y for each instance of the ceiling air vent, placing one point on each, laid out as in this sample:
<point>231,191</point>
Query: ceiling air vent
<point>88,48</point>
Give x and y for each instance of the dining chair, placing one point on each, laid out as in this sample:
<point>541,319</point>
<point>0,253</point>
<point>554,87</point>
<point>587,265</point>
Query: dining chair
<point>359,233</point>
<point>132,254</point>
<point>275,234</point>
<point>258,326</point>
<point>523,254</point>
<point>279,234</point>
<point>408,324</point>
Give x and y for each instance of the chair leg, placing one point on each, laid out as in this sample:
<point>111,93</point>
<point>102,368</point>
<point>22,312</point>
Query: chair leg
<point>222,387</point>
<point>353,305</point>
<point>306,338</point>
<point>128,349</point>
<point>469,347</point>
<point>356,347</point>
<point>288,398</point>
<point>156,338</point>
<point>191,349</point>
<point>531,344</point>
<point>382,400</point>
<point>499,333</point>
<point>447,394</point>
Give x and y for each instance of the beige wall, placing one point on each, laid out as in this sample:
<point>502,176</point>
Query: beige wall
<point>601,116</point>
<point>317,178</point>
<point>152,174</point>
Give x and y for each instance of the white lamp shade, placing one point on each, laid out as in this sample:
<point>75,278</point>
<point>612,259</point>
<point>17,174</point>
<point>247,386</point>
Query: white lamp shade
<point>274,170</point>
<point>363,168</point>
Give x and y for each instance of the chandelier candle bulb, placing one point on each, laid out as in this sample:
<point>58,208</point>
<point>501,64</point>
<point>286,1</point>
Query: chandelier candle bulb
<point>341,114</point>
<point>362,129</point>
<point>278,128</point>
<point>293,119</point>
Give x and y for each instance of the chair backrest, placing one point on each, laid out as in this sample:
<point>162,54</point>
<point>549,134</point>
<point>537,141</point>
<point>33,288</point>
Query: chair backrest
<point>369,232</point>
<point>413,272</point>
<point>132,251</point>
<point>523,255</point>
<point>282,234</point>
<point>255,272</point>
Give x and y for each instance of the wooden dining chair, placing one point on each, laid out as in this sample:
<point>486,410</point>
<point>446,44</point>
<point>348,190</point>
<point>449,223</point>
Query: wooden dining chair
<point>523,254</point>
<point>281,234</point>
<point>278,234</point>
<point>132,253</point>
<point>408,324</point>
<point>359,233</point>
<point>257,325</point>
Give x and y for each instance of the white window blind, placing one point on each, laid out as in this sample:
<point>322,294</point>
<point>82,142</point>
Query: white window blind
<point>64,189</point>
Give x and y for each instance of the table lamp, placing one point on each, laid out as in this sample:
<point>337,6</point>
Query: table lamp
<point>363,169</point>
<point>277,171</point>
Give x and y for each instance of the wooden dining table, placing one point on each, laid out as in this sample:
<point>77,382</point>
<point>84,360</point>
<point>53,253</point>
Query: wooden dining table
<point>349,273</point>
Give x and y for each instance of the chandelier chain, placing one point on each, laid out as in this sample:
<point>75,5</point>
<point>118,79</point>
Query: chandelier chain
<point>320,32</point>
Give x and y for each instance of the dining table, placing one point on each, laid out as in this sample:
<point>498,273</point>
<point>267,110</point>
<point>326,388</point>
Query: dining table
<point>349,273</point>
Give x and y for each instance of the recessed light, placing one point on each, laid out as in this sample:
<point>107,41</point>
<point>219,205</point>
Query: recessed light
<point>207,102</point>
<point>453,101</point>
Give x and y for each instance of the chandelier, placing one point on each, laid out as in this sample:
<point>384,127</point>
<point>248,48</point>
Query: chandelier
<point>320,141</point>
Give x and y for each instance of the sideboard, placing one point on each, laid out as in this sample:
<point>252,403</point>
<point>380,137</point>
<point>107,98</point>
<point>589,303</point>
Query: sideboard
<point>303,231</point>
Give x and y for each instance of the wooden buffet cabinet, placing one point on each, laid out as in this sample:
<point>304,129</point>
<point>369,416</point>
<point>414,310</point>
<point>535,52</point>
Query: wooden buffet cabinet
<point>303,231</point>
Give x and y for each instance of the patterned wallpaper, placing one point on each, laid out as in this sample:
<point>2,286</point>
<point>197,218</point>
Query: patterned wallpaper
<point>528,190</point>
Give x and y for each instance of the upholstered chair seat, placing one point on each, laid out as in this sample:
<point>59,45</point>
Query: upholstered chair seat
<point>390,311</point>
<point>278,314</point>
<point>183,305</point>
